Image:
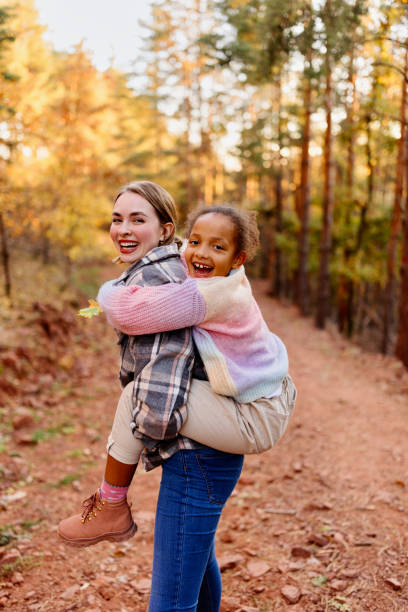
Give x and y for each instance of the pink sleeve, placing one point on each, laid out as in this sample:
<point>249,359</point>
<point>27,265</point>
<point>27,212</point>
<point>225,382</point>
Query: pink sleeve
<point>136,310</point>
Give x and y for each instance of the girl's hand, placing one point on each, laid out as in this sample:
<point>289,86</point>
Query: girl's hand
<point>92,311</point>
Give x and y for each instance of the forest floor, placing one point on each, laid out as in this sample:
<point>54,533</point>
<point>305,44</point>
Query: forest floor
<point>318,523</point>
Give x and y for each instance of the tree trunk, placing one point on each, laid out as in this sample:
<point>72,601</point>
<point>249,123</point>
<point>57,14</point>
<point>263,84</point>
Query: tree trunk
<point>304,199</point>
<point>345,292</point>
<point>5,257</point>
<point>323,296</point>
<point>391,286</point>
<point>277,281</point>
<point>402,339</point>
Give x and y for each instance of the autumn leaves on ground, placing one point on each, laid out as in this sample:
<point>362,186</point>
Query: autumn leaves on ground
<point>318,523</point>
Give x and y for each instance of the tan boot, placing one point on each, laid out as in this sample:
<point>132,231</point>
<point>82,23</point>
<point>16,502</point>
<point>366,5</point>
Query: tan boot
<point>101,520</point>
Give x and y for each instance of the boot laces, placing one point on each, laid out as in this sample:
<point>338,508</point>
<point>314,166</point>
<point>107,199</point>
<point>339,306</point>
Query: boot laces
<point>90,504</point>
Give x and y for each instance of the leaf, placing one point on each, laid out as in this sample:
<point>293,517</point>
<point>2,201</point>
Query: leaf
<point>319,580</point>
<point>93,310</point>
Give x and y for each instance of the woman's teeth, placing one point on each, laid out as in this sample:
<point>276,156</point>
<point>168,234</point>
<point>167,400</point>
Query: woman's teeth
<point>128,245</point>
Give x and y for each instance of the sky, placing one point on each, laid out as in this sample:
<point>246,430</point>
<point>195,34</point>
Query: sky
<point>109,28</point>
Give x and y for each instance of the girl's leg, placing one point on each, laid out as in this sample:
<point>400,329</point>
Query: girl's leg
<point>194,488</point>
<point>244,428</point>
<point>106,514</point>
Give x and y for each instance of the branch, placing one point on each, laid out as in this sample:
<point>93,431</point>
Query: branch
<point>397,68</point>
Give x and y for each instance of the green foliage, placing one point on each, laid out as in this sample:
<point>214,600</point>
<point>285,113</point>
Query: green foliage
<point>24,563</point>
<point>320,580</point>
<point>66,480</point>
<point>93,310</point>
<point>340,604</point>
<point>42,435</point>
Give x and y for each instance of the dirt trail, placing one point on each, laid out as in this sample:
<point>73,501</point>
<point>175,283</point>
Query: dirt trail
<point>318,523</point>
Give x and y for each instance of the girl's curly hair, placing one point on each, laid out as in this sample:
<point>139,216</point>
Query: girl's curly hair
<point>246,228</point>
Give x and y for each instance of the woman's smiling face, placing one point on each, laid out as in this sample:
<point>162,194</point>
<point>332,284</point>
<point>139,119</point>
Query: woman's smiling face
<point>135,228</point>
<point>211,249</point>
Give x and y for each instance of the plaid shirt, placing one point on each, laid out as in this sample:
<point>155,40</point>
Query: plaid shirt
<point>160,365</point>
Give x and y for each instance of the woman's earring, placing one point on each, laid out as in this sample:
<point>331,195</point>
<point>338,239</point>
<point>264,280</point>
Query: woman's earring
<point>161,242</point>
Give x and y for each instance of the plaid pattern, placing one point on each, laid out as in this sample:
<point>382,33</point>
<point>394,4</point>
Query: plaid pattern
<point>160,365</point>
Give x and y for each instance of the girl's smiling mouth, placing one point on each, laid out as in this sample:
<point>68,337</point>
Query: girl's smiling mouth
<point>202,269</point>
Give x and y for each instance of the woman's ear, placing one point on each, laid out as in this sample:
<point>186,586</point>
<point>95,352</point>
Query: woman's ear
<point>167,229</point>
<point>239,259</point>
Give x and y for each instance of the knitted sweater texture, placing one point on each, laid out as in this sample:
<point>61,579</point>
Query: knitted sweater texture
<point>243,359</point>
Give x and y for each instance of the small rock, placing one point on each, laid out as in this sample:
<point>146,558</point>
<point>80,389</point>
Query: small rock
<point>229,604</point>
<point>384,496</point>
<point>258,568</point>
<point>338,585</point>
<point>70,592</point>
<point>291,593</point>
<point>22,419</point>
<point>319,539</point>
<point>297,467</point>
<point>300,552</point>
<point>11,556</point>
<point>17,578</point>
<point>340,539</point>
<point>318,506</point>
<point>226,537</point>
<point>143,585</point>
<point>246,480</point>
<point>15,496</point>
<point>30,595</point>
<point>106,591</point>
<point>350,573</point>
<point>24,439</point>
<point>230,561</point>
<point>394,583</point>
<point>295,566</point>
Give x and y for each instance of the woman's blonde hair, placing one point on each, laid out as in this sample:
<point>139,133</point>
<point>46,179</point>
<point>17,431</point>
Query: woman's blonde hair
<point>159,198</point>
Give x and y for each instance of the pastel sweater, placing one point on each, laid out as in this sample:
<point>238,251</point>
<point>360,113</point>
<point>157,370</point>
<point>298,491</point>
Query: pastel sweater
<point>243,359</point>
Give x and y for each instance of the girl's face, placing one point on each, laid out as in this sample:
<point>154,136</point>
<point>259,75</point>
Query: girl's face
<point>211,249</point>
<point>136,228</point>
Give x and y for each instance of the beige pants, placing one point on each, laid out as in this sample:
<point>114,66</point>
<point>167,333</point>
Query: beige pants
<point>214,420</point>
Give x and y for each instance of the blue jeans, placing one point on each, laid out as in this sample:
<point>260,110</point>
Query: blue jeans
<point>194,488</point>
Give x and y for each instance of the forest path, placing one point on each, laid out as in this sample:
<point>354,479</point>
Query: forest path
<point>317,523</point>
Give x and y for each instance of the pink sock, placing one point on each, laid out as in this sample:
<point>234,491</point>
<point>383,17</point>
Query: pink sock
<point>111,492</point>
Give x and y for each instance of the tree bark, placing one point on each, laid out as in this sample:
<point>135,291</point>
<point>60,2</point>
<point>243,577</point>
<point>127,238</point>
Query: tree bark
<point>323,296</point>
<point>304,199</point>
<point>277,281</point>
<point>5,257</point>
<point>345,292</point>
<point>391,286</point>
<point>402,338</point>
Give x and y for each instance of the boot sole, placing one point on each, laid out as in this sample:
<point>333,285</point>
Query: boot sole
<point>120,536</point>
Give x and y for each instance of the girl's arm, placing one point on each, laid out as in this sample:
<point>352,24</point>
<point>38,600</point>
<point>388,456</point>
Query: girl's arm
<point>136,310</point>
<point>209,303</point>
